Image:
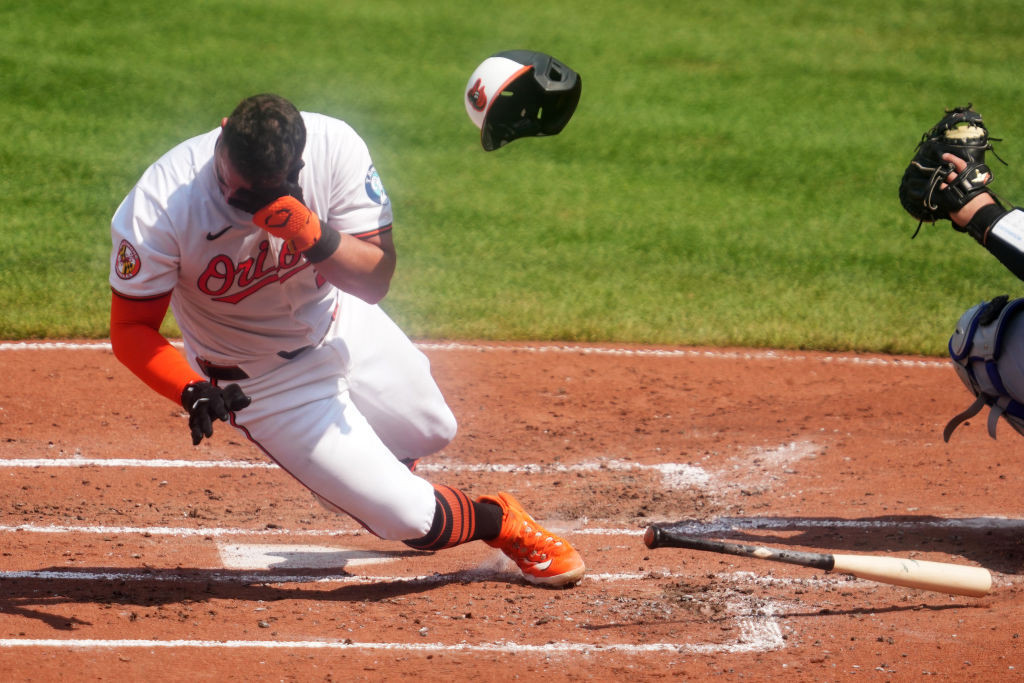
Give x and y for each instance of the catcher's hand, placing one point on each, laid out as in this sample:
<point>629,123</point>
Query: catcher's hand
<point>925,191</point>
<point>205,403</point>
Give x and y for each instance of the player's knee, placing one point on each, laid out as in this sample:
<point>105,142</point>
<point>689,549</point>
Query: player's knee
<point>412,521</point>
<point>433,433</point>
<point>443,429</point>
<point>405,510</point>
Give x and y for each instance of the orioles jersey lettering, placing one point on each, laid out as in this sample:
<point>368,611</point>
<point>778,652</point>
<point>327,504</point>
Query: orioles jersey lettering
<point>250,275</point>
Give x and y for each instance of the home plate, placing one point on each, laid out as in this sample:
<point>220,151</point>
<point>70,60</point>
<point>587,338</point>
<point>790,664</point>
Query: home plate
<point>276,556</point>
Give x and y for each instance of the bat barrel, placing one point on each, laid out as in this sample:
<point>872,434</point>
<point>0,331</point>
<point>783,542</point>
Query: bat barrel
<point>943,577</point>
<point>932,576</point>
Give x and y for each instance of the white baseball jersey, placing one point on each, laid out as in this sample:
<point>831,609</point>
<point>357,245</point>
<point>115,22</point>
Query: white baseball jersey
<point>336,416</point>
<point>239,296</point>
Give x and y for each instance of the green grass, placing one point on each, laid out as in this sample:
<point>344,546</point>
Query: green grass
<point>729,178</point>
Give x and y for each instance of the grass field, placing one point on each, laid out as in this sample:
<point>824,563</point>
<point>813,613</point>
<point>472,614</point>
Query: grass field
<point>729,178</point>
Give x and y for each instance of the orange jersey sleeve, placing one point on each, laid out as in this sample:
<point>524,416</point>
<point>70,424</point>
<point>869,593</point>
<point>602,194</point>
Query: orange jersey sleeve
<point>136,340</point>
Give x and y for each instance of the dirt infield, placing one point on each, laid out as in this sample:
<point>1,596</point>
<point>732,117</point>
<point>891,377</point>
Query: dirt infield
<point>128,554</point>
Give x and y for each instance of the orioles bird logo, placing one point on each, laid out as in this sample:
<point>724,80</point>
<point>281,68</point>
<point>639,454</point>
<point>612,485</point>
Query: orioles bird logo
<point>477,97</point>
<point>278,219</point>
<point>128,261</point>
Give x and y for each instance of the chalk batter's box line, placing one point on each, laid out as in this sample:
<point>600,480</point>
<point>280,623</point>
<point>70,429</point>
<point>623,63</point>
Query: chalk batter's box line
<point>759,630</point>
<point>713,354</point>
<point>272,578</point>
<point>759,634</point>
<point>681,472</point>
<point>722,525</point>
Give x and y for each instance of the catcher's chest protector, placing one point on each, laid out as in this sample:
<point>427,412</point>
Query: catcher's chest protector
<point>976,349</point>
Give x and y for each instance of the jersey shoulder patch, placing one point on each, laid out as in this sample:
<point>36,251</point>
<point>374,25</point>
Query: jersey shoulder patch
<point>374,186</point>
<point>129,263</point>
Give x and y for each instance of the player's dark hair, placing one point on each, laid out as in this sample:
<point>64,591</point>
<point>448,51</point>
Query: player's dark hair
<point>264,138</point>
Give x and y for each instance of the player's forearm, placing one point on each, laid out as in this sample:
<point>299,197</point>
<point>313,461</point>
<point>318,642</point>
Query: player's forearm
<point>999,231</point>
<point>1005,240</point>
<point>360,267</point>
<point>964,215</point>
<point>136,341</point>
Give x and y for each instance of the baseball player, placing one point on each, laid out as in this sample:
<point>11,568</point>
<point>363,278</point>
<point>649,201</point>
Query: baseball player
<point>270,238</point>
<point>948,179</point>
<point>987,346</point>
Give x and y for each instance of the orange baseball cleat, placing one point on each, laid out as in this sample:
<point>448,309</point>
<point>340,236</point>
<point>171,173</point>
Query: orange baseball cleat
<point>544,558</point>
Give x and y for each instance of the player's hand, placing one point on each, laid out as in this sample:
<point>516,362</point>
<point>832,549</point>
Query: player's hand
<point>282,213</point>
<point>291,220</point>
<point>962,216</point>
<point>205,403</point>
<point>934,187</point>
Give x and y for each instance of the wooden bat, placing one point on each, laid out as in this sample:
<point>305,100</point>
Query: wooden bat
<point>941,577</point>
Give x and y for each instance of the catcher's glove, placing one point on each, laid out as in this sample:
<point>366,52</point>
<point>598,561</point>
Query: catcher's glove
<point>962,133</point>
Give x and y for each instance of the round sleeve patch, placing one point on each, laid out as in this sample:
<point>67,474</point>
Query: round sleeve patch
<point>128,262</point>
<point>374,187</point>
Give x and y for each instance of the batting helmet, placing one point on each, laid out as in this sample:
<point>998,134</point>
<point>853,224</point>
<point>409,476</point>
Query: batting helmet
<point>520,93</point>
<point>987,349</point>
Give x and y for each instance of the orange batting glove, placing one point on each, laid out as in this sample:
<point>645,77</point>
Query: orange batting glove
<point>291,220</point>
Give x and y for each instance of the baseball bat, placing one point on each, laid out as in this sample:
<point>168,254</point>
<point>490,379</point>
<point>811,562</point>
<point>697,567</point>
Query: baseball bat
<point>941,577</point>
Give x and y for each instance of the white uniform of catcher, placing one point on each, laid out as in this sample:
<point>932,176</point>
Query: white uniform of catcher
<point>329,375</point>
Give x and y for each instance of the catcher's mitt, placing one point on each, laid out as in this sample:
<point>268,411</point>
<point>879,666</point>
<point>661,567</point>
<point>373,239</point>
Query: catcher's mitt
<point>962,133</point>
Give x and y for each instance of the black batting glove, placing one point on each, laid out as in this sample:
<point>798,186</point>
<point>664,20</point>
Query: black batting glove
<point>205,402</point>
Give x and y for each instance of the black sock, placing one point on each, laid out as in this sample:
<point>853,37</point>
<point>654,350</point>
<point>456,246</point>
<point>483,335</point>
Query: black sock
<point>457,520</point>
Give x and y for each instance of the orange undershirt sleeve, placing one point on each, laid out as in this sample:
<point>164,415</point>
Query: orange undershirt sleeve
<point>136,340</point>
